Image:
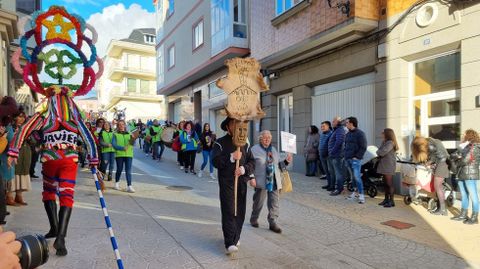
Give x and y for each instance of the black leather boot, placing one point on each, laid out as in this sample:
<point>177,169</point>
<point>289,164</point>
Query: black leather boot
<point>51,209</point>
<point>473,219</point>
<point>463,215</point>
<point>384,200</point>
<point>64,218</point>
<point>441,211</point>
<point>390,202</point>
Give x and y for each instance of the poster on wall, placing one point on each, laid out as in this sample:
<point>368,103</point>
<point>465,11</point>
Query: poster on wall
<point>289,142</point>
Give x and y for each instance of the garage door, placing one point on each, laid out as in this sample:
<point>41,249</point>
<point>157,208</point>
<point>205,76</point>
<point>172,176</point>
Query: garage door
<point>177,110</point>
<point>350,97</point>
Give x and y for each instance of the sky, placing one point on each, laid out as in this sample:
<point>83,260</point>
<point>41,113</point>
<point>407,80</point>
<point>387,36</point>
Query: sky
<point>112,19</point>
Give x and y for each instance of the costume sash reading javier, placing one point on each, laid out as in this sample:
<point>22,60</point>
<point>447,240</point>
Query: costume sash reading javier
<point>61,121</point>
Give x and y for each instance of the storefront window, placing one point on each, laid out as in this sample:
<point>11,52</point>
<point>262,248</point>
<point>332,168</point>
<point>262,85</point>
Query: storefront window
<point>437,99</point>
<point>285,114</point>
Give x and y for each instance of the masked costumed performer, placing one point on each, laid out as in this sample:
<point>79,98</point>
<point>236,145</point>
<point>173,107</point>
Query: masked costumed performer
<point>61,122</point>
<point>224,158</point>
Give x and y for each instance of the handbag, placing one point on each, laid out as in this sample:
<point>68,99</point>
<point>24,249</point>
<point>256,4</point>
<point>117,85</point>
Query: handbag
<point>176,145</point>
<point>286,181</point>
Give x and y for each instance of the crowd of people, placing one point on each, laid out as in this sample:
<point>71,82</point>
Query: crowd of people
<point>336,152</point>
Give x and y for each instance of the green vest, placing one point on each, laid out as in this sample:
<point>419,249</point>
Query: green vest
<point>122,141</point>
<point>159,131</point>
<point>107,137</point>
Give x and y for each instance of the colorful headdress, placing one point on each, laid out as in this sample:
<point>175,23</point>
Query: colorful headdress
<point>66,32</point>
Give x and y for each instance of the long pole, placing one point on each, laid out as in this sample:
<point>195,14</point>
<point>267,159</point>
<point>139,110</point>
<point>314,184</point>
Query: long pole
<point>235,187</point>
<point>107,220</point>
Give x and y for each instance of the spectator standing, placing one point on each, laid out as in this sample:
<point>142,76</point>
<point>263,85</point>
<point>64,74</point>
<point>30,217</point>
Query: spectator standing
<point>108,152</point>
<point>355,147</point>
<point>311,150</point>
<point>268,181</point>
<point>326,128</point>
<point>207,139</point>
<point>189,140</point>
<point>335,154</point>
<point>21,183</point>
<point>123,143</point>
<point>387,165</point>
<point>468,162</point>
<point>7,173</point>
<point>35,143</point>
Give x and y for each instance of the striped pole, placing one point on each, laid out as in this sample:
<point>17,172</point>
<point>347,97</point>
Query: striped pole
<point>107,220</point>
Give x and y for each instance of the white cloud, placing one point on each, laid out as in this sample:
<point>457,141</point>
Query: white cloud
<point>117,22</point>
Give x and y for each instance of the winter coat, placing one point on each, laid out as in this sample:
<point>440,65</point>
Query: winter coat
<point>336,143</point>
<point>387,162</point>
<point>311,147</point>
<point>211,139</point>
<point>467,161</point>
<point>355,144</point>
<point>260,156</point>
<point>323,147</point>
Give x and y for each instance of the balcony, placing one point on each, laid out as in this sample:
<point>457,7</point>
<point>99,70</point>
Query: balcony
<point>119,72</point>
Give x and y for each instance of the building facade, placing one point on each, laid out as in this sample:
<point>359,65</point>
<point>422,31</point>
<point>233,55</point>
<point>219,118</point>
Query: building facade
<point>195,37</point>
<point>389,63</point>
<point>129,78</point>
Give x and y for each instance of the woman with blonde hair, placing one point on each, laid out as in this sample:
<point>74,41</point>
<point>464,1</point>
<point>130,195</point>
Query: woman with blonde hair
<point>387,165</point>
<point>467,159</point>
<point>432,153</point>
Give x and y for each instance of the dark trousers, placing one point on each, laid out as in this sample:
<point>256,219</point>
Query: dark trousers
<point>3,202</point>
<point>33,163</point>
<point>231,224</point>
<point>180,158</point>
<point>156,146</point>
<point>189,159</point>
<point>128,169</point>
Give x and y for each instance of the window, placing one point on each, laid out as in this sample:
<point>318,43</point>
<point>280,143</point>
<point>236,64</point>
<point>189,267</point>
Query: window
<point>214,91</point>
<point>436,102</point>
<point>160,64</point>
<point>171,8</point>
<point>144,86</point>
<point>285,114</point>
<point>198,34</point>
<point>171,57</point>
<point>239,19</point>
<point>281,6</point>
<point>149,39</point>
<point>131,85</point>
<point>221,25</point>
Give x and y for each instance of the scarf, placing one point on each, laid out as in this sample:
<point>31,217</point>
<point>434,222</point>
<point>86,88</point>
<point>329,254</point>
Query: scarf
<point>270,168</point>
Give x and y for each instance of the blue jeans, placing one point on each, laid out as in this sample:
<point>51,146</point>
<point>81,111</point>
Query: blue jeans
<point>311,167</point>
<point>355,170</point>
<point>326,168</point>
<point>468,189</point>
<point>107,161</point>
<point>207,157</point>
<point>337,173</point>
<point>146,147</point>
<point>128,169</point>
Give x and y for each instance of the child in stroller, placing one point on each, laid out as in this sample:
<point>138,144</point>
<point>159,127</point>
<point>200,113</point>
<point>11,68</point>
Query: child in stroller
<point>421,189</point>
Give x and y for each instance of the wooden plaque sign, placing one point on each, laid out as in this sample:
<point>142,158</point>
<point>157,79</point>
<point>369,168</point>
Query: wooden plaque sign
<point>243,85</point>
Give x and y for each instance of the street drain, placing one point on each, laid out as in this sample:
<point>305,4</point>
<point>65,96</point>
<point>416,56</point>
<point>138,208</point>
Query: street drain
<point>179,188</point>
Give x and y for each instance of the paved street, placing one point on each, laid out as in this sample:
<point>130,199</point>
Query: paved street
<point>164,227</point>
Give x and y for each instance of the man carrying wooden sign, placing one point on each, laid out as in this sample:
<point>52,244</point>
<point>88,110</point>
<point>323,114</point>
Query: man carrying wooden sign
<point>231,153</point>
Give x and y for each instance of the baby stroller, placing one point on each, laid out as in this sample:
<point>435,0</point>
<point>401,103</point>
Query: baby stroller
<point>419,180</point>
<point>370,178</point>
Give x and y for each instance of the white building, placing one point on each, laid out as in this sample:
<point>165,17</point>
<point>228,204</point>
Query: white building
<point>130,77</point>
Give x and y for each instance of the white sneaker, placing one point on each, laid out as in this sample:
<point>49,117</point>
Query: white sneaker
<point>361,199</point>
<point>181,167</point>
<point>130,189</point>
<point>232,249</point>
<point>200,173</point>
<point>352,196</point>
<point>212,176</point>
<point>117,186</point>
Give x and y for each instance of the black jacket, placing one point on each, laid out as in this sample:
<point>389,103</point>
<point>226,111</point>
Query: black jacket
<point>355,144</point>
<point>467,162</point>
<point>222,149</point>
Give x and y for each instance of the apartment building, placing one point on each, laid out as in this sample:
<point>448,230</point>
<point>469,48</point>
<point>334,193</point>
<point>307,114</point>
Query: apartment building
<point>389,63</point>
<point>130,77</point>
<point>195,37</point>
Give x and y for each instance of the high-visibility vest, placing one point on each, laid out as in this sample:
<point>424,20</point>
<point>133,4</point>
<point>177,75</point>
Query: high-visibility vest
<point>122,141</point>
<point>107,137</point>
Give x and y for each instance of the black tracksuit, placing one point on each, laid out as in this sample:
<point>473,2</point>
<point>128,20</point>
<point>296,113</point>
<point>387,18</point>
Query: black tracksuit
<point>231,225</point>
